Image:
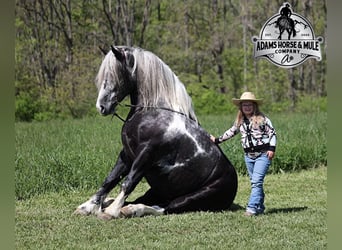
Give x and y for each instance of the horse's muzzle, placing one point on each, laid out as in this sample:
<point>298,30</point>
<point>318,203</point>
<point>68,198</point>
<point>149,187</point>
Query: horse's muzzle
<point>107,109</point>
<point>103,110</point>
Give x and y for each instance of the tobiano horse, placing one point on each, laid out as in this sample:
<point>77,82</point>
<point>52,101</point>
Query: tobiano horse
<point>162,142</point>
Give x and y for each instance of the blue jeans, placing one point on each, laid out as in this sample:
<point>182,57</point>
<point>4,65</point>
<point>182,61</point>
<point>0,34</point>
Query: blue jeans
<point>257,169</point>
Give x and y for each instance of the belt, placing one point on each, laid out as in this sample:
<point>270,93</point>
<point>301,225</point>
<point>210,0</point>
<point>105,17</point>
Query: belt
<point>259,148</point>
<point>254,155</point>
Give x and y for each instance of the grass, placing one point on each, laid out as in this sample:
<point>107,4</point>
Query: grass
<point>73,155</point>
<point>295,218</point>
<point>59,164</point>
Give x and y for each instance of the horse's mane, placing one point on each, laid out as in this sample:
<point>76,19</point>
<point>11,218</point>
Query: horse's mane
<point>157,85</point>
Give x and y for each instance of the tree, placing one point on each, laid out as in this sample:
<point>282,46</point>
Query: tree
<point>207,43</point>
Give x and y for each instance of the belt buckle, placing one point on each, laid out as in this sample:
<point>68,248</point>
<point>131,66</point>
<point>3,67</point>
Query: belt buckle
<point>254,154</point>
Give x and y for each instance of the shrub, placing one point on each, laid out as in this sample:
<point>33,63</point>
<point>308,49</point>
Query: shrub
<point>25,107</point>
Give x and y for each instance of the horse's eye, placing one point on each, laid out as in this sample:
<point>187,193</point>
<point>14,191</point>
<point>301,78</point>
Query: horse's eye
<point>105,85</point>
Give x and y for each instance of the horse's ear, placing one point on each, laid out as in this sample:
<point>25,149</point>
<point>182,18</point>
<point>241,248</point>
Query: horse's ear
<point>118,53</point>
<point>102,50</point>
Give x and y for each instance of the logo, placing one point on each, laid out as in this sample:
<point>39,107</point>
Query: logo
<point>287,39</point>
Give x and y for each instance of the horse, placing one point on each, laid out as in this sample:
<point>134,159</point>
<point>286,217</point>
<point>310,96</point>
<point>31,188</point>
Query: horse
<point>286,23</point>
<point>162,140</point>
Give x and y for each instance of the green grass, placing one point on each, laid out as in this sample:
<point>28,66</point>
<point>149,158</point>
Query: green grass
<point>73,155</point>
<point>301,140</point>
<point>59,164</point>
<point>295,218</point>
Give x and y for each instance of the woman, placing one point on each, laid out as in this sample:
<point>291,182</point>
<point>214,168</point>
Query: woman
<point>258,138</point>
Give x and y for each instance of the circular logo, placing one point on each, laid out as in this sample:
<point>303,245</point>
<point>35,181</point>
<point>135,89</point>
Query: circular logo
<point>287,39</point>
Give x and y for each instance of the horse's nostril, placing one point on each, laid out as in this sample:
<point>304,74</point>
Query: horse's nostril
<point>102,109</point>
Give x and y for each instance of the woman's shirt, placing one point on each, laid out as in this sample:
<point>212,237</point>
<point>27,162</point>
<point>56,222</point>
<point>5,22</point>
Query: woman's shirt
<point>263,135</point>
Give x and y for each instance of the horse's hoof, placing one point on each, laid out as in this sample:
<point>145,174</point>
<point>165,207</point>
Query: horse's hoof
<point>127,212</point>
<point>104,216</point>
<point>80,211</point>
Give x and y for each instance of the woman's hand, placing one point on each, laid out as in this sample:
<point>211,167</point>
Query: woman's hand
<point>270,154</point>
<point>212,138</point>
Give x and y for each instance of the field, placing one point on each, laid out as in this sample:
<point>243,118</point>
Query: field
<point>59,164</point>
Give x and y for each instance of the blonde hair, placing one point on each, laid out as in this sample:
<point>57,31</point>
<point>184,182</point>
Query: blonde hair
<point>257,118</point>
<point>157,84</point>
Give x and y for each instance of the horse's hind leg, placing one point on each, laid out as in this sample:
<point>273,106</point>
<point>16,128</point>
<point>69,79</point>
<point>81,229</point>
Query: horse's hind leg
<point>145,205</point>
<point>289,34</point>
<point>215,197</point>
<point>148,204</point>
<point>150,198</point>
<point>139,210</point>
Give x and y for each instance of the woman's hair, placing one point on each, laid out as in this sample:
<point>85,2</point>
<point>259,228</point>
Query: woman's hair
<point>257,117</point>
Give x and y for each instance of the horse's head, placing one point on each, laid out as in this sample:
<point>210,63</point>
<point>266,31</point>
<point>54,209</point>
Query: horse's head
<point>115,79</point>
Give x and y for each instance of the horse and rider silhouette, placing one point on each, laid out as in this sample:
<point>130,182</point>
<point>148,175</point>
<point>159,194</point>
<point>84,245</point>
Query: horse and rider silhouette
<point>285,22</point>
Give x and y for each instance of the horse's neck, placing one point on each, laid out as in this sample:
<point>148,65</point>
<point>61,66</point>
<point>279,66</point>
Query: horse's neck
<point>134,98</point>
<point>134,104</point>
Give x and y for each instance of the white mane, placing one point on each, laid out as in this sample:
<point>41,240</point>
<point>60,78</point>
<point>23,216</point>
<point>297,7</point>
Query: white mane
<point>157,85</point>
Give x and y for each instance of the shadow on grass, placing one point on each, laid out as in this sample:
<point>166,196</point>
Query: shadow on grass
<point>236,207</point>
<point>285,210</point>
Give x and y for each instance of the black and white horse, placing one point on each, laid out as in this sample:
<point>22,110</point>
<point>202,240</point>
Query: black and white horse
<point>162,142</point>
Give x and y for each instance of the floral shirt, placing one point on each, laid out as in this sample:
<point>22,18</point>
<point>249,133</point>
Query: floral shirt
<point>263,135</point>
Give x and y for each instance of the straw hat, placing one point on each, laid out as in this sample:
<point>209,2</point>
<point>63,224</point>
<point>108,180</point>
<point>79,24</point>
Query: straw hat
<point>246,96</point>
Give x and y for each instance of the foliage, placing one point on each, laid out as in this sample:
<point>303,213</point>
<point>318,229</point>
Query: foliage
<point>25,107</point>
<point>78,154</point>
<point>308,104</point>
<point>207,100</point>
<point>295,218</point>
<point>57,55</point>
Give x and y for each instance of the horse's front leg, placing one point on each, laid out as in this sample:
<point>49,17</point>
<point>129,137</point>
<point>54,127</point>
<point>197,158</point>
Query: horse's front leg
<point>96,203</point>
<point>133,178</point>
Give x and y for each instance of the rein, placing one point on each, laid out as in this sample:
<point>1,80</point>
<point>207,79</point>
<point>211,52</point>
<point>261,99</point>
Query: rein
<point>118,116</point>
<point>142,107</point>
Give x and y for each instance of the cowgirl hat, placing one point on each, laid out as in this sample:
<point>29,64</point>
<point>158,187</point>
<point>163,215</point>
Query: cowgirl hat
<point>246,96</point>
